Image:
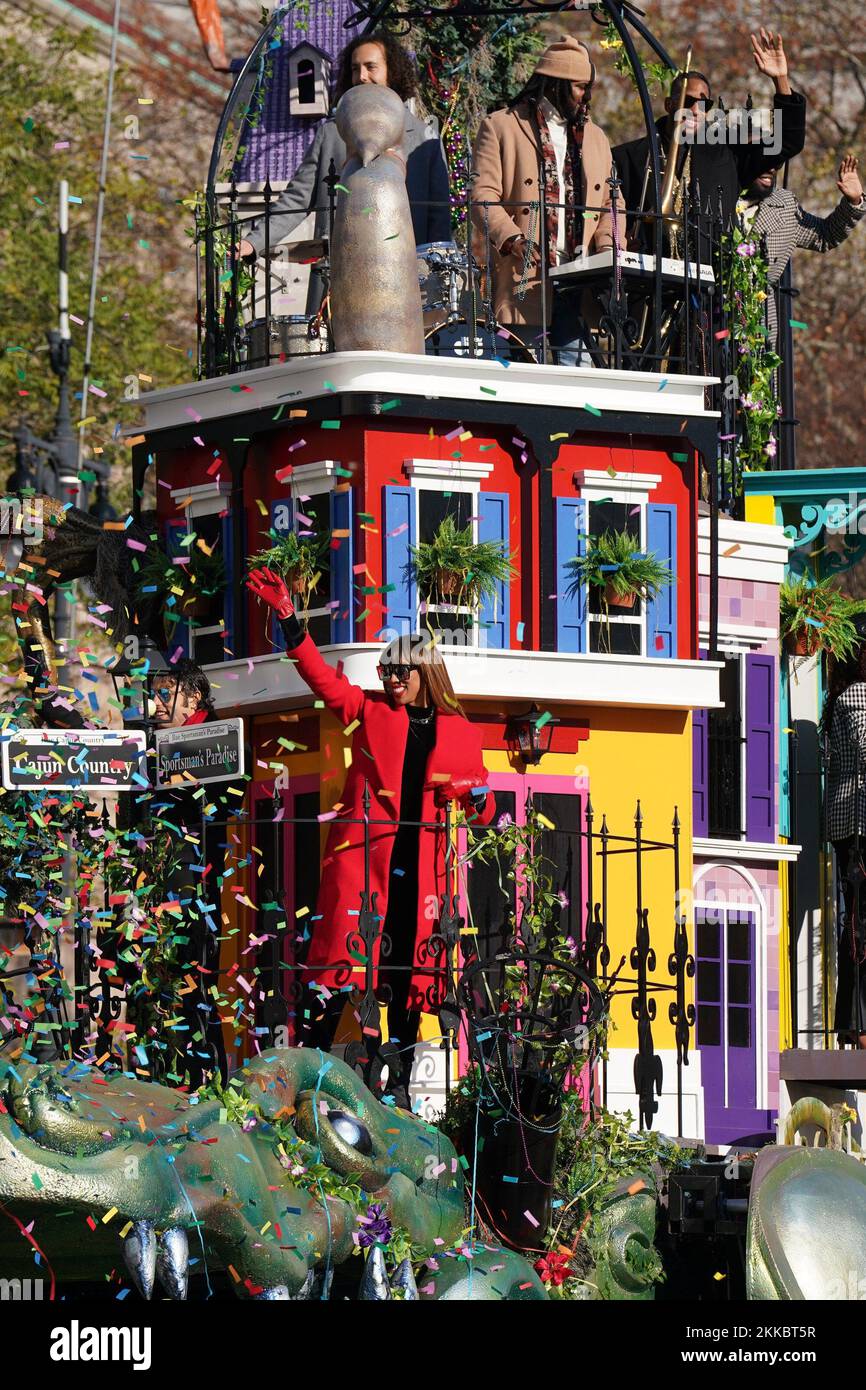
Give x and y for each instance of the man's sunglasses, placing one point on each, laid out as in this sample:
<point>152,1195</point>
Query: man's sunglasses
<point>387,669</point>
<point>691,102</point>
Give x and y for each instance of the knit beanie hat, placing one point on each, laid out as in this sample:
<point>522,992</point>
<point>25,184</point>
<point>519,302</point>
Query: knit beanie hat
<point>567,59</point>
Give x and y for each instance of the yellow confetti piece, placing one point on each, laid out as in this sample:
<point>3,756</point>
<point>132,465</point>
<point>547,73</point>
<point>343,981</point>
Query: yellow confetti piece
<point>266,1227</point>
<point>563,434</point>
<point>344,845</point>
<point>261,506</point>
<point>126,1229</point>
<point>611,471</point>
<point>467,434</point>
<point>109,1216</point>
<point>142,1124</point>
<point>350,728</point>
<point>548,824</point>
<point>302,911</point>
<point>717,1276</point>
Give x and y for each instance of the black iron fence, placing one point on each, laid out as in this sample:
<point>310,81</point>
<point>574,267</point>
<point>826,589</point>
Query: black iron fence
<point>87,1020</point>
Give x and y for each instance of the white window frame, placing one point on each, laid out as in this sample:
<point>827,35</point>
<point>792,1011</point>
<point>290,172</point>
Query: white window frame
<point>207,499</point>
<point>631,490</point>
<point>315,479</point>
<point>448,475</point>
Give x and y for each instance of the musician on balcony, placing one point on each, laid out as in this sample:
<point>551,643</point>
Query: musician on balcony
<point>544,139</point>
<point>719,170</point>
<point>380,59</point>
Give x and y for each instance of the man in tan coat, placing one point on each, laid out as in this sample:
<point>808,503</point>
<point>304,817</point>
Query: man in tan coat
<point>545,138</point>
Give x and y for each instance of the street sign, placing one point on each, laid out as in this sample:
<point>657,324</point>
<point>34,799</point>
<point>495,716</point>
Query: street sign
<point>200,753</point>
<point>89,760</point>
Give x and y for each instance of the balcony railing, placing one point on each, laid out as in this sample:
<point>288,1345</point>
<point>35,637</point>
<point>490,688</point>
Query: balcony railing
<point>587,859</point>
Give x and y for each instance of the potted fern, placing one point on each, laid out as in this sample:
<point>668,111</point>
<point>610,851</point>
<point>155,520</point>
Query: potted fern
<point>453,568</point>
<point>299,560</point>
<point>615,563</point>
<point>200,578</point>
<point>815,616</point>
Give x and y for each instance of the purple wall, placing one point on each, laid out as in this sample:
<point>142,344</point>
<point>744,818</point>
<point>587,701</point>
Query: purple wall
<point>275,148</point>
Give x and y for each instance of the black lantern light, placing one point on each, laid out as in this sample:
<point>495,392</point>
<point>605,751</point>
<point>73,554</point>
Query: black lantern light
<point>529,734</point>
<point>134,680</point>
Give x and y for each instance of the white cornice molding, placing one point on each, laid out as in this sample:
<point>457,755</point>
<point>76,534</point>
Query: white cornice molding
<point>451,470</point>
<point>273,681</point>
<point>739,638</point>
<point>319,476</point>
<point>755,551</point>
<point>749,850</point>
<point>455,379</point>
<point>596,483</point>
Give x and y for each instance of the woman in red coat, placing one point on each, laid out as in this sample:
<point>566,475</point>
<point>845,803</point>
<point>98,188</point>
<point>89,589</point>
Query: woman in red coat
<point>413,746</point>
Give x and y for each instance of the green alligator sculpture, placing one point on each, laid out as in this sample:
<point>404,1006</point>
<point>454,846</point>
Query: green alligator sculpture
<point>100,1162</point>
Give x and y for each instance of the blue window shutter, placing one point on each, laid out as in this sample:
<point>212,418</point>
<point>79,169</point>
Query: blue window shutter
<point>571,623</point>
<point>401,603</point>
<point>493,526</point>
<point>341,561</point>
<point>228,594</point>
<point>700,769</point>
<point>661,541</point>
<point>760,748</point>
<point>282,520</point>
<point>177,633</point>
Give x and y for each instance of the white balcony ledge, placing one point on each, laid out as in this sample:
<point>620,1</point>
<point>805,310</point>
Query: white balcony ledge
<point>449,378</point>
<point>749,850</point>
<point>268,682</point>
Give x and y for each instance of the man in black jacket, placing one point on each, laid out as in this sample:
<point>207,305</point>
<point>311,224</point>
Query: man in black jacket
<point>718,170</point>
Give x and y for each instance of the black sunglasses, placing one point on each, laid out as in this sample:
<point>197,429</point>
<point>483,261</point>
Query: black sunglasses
<point>703,102</point>
<point>387,669</point>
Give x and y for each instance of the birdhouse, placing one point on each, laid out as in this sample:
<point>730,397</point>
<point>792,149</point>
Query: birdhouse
<point>309,79</point>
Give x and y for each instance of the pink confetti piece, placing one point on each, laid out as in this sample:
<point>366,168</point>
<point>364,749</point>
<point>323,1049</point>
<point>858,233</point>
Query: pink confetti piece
<point>61,144</point>
<point>97,390</point>
<point>530,1218</point>
<point>76,319</point>
<point>299,444</point>
<point>398,530</point>
<point>193,414</point>
<point>197,439</point>
<point>135,545</point>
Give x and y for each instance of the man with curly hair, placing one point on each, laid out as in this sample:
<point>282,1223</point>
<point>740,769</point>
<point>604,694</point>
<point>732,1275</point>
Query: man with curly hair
<point>380,59</point>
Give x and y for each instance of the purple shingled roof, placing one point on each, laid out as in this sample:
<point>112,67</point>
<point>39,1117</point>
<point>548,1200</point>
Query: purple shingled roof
<point>278,144</point>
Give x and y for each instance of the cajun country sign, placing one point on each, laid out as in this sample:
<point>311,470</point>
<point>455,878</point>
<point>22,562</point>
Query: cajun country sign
<point>96,760</point>
<point>200,753</point>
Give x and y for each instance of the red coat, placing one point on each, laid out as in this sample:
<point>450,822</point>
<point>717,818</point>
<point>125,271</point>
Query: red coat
<point>378,750</point>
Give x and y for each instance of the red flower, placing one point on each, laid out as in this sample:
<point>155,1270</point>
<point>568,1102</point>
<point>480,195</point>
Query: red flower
<point>553,1268</point>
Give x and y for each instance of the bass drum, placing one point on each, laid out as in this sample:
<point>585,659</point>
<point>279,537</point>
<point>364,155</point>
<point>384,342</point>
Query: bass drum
<point>452,340</point>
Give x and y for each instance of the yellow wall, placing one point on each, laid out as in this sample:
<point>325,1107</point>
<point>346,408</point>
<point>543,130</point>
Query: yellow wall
<point>629,755</point>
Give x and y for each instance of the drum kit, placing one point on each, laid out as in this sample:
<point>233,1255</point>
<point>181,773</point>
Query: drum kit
<point>447,276</point>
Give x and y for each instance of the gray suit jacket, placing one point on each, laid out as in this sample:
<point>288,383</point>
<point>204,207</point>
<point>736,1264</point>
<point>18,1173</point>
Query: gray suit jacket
<point>426,184</point>
<point>783,225</point>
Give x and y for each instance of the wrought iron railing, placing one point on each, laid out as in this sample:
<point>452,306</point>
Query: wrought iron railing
<point>452,954</point>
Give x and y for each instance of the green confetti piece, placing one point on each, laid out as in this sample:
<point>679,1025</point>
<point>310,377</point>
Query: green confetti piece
<point>392,236</point>
<point>543,719</point>
<point>797,323</point>
<point>593,409</point>
<point>342,187</point>
<point>145,245</point>
<point>330,424</point>
<point>361,616</point>
<point>343,472</point>
<point>680,458</point>
<point>389,405</point>
<point>28,124</point>
<point>489,390</point>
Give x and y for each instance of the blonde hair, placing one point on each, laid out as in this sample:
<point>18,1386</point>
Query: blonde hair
<point>414,650</point>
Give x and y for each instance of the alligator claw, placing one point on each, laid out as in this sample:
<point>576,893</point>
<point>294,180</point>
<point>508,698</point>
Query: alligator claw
<point>278,1292</point>
<point>139,1255</point>
<point>405,1279</point>
<point>172,1262</point>
<point>374,1281</point>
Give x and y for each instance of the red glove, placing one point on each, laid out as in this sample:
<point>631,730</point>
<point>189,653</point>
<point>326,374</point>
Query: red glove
<point>456,789</point>
<point>272,590</point>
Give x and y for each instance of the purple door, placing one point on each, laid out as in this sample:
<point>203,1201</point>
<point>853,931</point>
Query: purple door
<point>725,1034</point>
